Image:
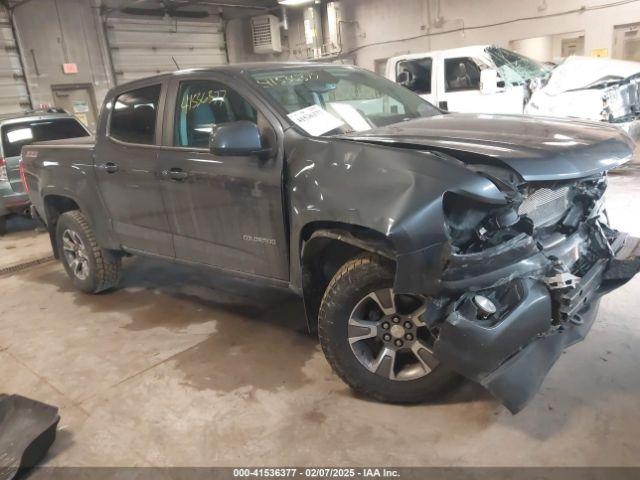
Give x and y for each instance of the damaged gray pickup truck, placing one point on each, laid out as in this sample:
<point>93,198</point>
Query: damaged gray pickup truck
<point>426,246</point>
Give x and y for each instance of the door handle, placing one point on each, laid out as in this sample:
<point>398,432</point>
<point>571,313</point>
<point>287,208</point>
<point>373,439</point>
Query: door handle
<point>110,167</point>
<point>443,105</point>
<point>176,174</point>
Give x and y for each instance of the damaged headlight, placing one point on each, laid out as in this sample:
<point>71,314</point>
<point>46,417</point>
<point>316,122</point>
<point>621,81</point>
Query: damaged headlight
<point>473,225</point>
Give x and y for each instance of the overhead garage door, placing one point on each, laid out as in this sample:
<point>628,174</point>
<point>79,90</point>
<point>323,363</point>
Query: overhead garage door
<point>14,95</point>
<point>144,46</point>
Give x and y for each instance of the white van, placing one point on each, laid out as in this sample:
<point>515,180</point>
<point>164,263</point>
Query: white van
<point>490,79</point>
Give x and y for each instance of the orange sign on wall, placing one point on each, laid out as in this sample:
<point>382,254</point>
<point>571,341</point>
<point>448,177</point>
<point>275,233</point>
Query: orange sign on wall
<point>69,68</point>
<point>600,52</point>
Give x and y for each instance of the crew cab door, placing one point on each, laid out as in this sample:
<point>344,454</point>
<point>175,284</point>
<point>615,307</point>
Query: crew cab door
<point>127,169</point>
<point>224,211</point>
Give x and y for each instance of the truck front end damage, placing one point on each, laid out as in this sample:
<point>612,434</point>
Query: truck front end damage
<point>517,283</point>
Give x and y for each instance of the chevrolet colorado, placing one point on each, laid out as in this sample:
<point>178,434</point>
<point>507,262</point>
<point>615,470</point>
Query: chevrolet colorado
<point>426,245</point>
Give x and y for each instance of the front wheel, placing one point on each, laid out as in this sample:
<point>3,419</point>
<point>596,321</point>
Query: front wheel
<point>91,269</point>
<point>375,340</point>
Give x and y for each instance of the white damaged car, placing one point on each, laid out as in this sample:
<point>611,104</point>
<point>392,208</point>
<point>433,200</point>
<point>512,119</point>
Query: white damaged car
<point>590,88</point>
<point>491,79</point>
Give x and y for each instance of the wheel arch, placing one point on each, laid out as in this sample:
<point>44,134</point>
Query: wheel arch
<point>325,247</point>
<point>54,205</point>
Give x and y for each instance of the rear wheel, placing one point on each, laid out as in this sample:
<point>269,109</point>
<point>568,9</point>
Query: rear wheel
<point>376,340</point>
<point>91,268</point>
<point>3,225</point>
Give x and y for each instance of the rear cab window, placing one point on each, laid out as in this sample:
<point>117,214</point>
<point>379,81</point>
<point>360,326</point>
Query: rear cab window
<point>17,135</point>
<point>415,74</point>
<point>134,115</point>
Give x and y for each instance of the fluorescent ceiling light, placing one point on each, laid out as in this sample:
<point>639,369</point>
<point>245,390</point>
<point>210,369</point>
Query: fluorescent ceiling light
<point>292,3</point>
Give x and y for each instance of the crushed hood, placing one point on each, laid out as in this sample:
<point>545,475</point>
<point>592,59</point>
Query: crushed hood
<point>586,72</point>
<point>538,149</point>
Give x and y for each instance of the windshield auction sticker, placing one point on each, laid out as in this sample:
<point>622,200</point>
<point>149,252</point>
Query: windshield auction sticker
<point>315,120</point>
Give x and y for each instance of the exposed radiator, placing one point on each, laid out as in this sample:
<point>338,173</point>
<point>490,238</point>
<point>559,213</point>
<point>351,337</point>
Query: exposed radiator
<point>545,206</point>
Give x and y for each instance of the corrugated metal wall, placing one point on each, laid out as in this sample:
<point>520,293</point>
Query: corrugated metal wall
<point>143,46</point>
<point>53,32</point>
<point>14,96</point>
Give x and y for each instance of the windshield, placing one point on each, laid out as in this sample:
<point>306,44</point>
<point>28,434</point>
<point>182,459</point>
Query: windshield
<point>514,68</point>
<point>335,100</point>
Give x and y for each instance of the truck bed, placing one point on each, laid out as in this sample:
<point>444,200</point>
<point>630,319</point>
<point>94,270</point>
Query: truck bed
<point>59,167</point>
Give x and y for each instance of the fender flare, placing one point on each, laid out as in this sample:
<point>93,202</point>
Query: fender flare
<point>313,286</point>
<point>370,245</point>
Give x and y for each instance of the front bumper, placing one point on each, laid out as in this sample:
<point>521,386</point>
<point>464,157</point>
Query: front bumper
<point>511,352</point>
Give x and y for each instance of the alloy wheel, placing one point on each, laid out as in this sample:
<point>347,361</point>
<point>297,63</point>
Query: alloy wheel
<point>389,338</point>
<point>75,254</point>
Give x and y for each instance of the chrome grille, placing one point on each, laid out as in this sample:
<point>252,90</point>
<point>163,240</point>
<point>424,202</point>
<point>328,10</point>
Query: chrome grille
<point>545,206</point>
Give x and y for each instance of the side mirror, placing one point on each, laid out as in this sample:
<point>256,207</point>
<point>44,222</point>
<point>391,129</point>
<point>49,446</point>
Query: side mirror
<point>236,139</point>
<point>489,81</point>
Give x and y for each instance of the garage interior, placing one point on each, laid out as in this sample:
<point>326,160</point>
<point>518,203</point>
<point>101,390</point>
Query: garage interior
<point>181,367</point>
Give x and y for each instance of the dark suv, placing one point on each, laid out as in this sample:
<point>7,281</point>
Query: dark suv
<point>16,131</point>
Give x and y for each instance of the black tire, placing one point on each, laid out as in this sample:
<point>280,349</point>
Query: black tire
<point>355,280</point>
<point>103,270</point>
<point>3,225</point>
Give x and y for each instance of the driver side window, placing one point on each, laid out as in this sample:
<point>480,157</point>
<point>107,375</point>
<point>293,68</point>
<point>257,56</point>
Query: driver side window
<point>202,104</point>
<point>461,74</point>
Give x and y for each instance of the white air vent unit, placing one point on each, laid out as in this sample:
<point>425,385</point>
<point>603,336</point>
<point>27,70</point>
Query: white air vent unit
<point>265,31</point>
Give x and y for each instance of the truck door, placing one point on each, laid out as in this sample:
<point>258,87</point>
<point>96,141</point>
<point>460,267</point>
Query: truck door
<point>128,173</point>
<point>460,90</point>
<point>418,76</point>
<point>224,211</point>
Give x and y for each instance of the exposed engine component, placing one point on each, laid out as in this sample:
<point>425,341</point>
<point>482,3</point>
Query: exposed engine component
<point>538,210</point>
<point>562,280</point>
<point>545,206</point>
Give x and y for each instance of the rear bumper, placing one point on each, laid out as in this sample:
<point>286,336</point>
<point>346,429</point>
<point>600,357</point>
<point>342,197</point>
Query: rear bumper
<point>11,202</point>
<point>511,352</point>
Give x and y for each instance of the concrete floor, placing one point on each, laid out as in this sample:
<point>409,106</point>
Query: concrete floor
<point>23,243</point>
<point>181,368</point>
